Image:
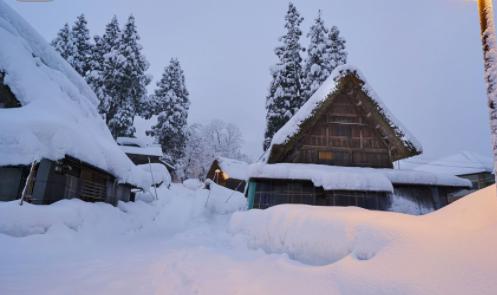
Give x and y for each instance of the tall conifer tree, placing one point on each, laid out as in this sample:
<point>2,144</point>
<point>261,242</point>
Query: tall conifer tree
<point>63,43</point>
<point>286,92</point>
<point>172,104</point>
<point>82,46</point>
<point>316,67</point>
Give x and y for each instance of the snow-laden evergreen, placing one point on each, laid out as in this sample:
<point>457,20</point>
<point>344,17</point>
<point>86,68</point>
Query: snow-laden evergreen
<point>135,77</point>
<point>82,46</point>
<point>63,43</point>
<point>285,92</point>
<point>337,54</point>
<point>171,103</point>
<point>326,51</point>
<point>317,65</point>
<point>118,76</point>
<point>107,73</point>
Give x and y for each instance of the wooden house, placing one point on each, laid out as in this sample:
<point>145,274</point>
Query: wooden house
<point>53,143</point>
<point>141,152</point>
<point>339,149</point>
<point>229,173</point>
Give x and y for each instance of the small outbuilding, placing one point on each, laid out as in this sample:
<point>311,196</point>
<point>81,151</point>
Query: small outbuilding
<point>339,149</point>
<point>229,173</point>
<point>53,142</point>
<point>474,167</point>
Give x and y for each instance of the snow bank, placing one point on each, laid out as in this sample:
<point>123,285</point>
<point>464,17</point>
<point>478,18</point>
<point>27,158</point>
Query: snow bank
<point>314,235</point>
<point>432,252</point>
<point>353,178</point>
<point>193,184</point>
<point>174,210</point>
<point>157,173</point>
<point>329,86</point>
<point>58,116</point>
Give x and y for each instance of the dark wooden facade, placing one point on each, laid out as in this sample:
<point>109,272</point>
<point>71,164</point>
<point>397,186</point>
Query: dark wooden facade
<point>347,129</point>
<point>64,179</point>
<point>222,178</point>
<point>272,192</point>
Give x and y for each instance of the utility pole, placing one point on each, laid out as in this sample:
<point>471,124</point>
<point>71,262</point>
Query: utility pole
<point>489,43</point>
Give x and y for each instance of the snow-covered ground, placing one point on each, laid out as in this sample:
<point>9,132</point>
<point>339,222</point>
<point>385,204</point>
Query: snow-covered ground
<point>191,242</point>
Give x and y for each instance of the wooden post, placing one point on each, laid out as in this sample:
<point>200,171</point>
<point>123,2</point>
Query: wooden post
<point>153,180</point>
<point>29,180</point>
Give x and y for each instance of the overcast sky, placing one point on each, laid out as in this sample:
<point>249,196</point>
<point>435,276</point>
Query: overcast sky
<point>423,57</point>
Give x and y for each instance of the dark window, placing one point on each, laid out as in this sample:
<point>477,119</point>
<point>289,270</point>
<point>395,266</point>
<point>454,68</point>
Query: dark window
<point>7,98</point>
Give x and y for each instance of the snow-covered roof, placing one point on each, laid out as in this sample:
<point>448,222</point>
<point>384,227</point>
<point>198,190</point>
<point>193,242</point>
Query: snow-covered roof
<point>136,146</point>
<point>234,168</point>
<point>459,164</point>
<point>293,126</point>
<point>58,116</point>
<point>353,178</point>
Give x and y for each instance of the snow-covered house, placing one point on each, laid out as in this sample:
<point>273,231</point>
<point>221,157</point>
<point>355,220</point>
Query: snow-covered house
<point>474,167</point>
<point>139,151</point>
<point>229,173</point>
<point>53,142</point>
<point>338,149</point>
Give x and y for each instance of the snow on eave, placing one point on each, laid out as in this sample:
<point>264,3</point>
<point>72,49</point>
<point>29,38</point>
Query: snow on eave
<point>292,127</point>
<point>154,151</point>
<point>460,164</point>
<point>353,178</point>
<point>234,168</point>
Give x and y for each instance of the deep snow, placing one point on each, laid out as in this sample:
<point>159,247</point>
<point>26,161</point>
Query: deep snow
<point>189,242</point>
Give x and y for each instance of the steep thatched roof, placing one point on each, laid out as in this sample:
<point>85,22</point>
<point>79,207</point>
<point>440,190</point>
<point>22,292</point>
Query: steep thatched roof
<point>349,81</point>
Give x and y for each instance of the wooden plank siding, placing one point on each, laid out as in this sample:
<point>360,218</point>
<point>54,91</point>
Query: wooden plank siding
<point>272,192</point>
<point>342,136</point>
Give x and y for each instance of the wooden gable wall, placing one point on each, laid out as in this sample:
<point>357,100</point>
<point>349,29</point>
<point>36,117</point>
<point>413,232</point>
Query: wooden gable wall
<point>343,135</point>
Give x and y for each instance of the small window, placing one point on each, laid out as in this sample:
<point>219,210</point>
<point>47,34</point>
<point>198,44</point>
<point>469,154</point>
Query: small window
<point>325,156</point>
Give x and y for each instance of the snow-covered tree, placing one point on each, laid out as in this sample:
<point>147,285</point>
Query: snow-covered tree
<point>317,63</point>
<point>285,92</point>
<point>337,54</point>
<point>82,46</point>
<point>199,154</point>
<point>107,79</point>
<point>63,43</point>
<point>326,51</point>
<point>206,142</point>
<point>172,103</point>
<point>135,77</point>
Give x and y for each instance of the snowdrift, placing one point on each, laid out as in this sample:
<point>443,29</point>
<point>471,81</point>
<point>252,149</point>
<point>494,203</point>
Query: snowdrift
<point>174,210</point>
<point>450,251</point>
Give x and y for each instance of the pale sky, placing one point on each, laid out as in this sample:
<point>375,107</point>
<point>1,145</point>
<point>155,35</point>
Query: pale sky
<point>423,58</point>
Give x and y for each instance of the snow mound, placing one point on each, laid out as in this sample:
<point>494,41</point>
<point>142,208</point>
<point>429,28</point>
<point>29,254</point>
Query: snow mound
<point>175,209</point>
<point>324,235</point>
<point>157,173</point>
<point>58,116</point>
<point>222,200</point>
<point>193,184</point>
